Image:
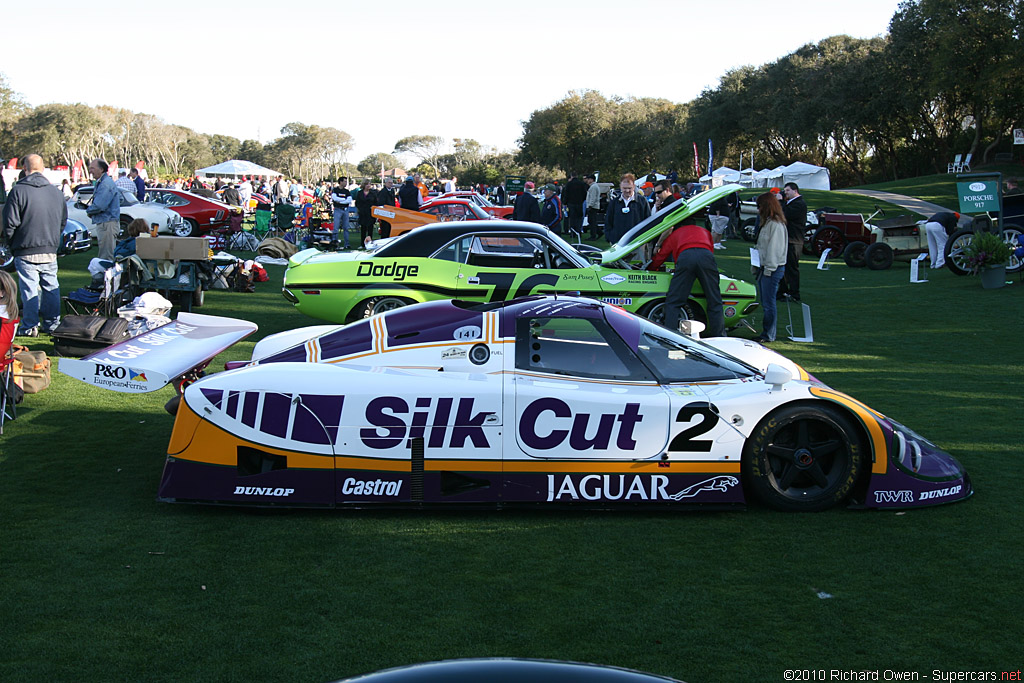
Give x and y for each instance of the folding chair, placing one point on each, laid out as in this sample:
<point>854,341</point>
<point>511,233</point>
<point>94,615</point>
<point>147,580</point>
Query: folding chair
<point>966,165</point>
<point>7,401</point>
<point>954,166</point>
<point>99,301</point>
<point>262,228</point>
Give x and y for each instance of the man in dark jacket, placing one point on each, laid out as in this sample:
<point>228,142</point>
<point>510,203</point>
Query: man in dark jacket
<point>526,207</point>
<point>795,209</point>
<point>574,196</point>
<point>625,211</point>
<point>551,211</point>
<point>34,217</point>
<point>409,194</point>
<point>140,184</point>
<point>386,197</point>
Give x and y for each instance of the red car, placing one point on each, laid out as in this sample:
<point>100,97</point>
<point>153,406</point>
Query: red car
<point>200,214</point>
<point>481,201</point>
<point>454,209</point>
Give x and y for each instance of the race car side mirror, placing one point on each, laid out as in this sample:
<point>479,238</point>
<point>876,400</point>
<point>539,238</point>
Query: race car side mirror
<point>776,375</point>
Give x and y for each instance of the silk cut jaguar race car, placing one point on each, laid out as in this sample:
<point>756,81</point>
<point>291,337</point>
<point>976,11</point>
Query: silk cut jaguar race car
<point>538,401</point>
<point>498,260</point>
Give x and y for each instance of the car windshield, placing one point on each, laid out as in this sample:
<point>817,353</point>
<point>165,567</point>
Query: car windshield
<point>678,358</point>
<point>127,198</point>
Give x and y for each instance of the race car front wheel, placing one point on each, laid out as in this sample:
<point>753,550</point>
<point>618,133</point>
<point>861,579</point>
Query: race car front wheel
<point>803,458</point>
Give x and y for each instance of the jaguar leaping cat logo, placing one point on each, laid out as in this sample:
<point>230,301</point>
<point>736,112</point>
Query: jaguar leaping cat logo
<point>720,483</point>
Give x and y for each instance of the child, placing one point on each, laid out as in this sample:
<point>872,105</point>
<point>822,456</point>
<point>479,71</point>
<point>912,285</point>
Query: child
<point>126,247</point>
<point>8,297</point>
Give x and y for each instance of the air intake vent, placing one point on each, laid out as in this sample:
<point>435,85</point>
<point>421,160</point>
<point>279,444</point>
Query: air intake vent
<point>417,468</point>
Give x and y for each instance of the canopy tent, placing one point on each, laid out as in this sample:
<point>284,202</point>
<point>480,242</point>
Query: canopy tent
<point>722,176</point>
<point>806,176</point>
<point>236,168</point>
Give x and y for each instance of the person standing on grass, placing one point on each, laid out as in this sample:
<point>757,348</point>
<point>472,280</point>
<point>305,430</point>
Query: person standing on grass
<point>772,247</point>
<point>693,253</point>
<point>386,197</point>
<point>526,207</point>
<point>795,209</point>
<point>34,217</point>
<point>105,209</point>
<point>365,200</point>
<point>938,229</point>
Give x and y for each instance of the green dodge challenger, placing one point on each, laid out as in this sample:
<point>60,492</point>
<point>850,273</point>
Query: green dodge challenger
<point>483,261</point>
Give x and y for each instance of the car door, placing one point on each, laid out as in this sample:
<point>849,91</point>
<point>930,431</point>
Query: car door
<point>586,415</point>
<point>499,267</point>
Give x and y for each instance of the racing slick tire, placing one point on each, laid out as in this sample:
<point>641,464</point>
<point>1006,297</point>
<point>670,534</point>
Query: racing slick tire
<point>878,256</point>
<point>803,458</point>
<point>828,237</point>
<point>188,227</point>
<point>655,312</point>
<point>853,255</point>
<point>954,252</point>
<point>379,304</point>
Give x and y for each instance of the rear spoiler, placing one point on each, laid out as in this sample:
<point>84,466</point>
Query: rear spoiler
<point>156,358</point>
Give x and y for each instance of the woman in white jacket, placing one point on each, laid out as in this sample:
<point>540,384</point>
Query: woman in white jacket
<point>771,251</point>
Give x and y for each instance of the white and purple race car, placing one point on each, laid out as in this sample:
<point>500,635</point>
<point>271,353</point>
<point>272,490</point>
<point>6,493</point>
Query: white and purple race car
<point>536,401</point>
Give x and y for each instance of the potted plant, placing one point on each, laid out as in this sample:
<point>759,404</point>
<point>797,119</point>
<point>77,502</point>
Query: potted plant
<point>987,254</point>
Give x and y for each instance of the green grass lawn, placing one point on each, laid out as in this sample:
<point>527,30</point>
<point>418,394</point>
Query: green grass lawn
<point>99,582</point>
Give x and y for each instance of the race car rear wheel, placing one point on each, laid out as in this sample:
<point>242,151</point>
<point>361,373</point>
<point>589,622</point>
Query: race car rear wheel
<point>853,255</point>
<point>879,256</point>
<point>803,458</point>
<point>829,237</point>
<point>655,312</point>
<point>380,304</point>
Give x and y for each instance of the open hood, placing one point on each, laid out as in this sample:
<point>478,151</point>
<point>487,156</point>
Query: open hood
<point>664,220</point>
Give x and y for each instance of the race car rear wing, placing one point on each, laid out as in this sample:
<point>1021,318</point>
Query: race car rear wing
<point>156,358</point>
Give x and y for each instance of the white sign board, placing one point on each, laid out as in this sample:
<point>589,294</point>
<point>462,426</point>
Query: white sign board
<point>1018,136</point>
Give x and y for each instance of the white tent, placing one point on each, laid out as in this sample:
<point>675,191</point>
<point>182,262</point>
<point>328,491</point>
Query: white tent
<point>806,176</point>
<point>722,176</point>
<point>235,168</point>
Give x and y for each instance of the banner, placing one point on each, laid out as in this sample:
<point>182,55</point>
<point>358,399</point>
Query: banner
<point>696,162</point>
<point>711,156</point>
<point>1018,136</point>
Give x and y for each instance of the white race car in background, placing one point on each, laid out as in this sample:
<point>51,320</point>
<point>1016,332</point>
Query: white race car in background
<point>131,208</point>
<point>537,401</point>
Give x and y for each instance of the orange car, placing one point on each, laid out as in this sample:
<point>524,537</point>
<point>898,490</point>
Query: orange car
<point>438,210</point>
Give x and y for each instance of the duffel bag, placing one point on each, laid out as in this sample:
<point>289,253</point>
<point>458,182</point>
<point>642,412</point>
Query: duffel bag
<point>31,370</point>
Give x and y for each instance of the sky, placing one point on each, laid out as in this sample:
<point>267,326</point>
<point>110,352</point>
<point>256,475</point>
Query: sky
<point>381,71</point>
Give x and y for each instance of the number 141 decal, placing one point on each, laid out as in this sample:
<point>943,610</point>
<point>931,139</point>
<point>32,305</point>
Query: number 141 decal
<point>708,418</point>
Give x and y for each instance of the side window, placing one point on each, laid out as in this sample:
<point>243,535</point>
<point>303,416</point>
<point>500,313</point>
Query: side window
<point>492,251</point>
<point>456,251</point>
<point>435,210</point>
<point>575,347</point>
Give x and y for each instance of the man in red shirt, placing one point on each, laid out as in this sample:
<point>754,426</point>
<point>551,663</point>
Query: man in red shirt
<point>693,254</point>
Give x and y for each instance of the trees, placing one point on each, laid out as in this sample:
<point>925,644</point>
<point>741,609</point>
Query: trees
<point>371,166</point>
<point>308,151</point>
<point>426,148</point>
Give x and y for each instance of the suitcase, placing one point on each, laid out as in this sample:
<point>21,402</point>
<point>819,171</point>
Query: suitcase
<point>80,335</point>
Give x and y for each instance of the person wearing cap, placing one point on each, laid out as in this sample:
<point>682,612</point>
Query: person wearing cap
<point>551,213</point>
<point>938,229</point>
<point>625,211</point>
<point>409,194</point>
<point>526,207</point>
<point>124,182</point>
